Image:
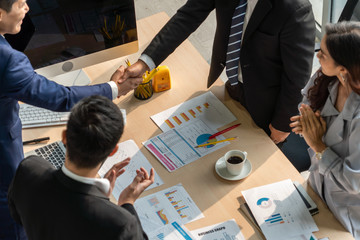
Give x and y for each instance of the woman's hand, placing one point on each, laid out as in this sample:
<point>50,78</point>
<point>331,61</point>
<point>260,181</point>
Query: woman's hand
<point>312,126</point>
<point>296,125</point>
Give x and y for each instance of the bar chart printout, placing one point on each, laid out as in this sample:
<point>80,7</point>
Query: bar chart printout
<point>280,211</point>
<point>176,147</point>
<point>170,205</point>
<point>206,107</point>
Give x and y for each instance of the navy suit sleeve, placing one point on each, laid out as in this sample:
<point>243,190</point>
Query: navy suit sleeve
<point>13,211</point>
<point>187,19</point>
<point>21,82</point>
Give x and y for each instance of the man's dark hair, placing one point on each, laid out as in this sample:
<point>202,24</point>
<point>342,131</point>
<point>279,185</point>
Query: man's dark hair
<point>94,128</point>
<point>7,4</point>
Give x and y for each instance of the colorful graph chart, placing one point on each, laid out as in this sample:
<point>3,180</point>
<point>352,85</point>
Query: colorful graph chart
<point>177,203</point>
<point>163,217</point>
<point>186,116</point>
<point>203,138</point>
<point>274,219</point>
<point>264,202</point>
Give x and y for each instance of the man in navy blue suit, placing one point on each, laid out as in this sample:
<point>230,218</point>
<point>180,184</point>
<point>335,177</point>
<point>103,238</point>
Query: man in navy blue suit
<point>19,82</point>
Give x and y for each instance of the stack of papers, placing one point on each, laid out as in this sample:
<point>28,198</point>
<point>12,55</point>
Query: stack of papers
<point>186,126</point>
<point>176,147</point>
<point>280,212</point>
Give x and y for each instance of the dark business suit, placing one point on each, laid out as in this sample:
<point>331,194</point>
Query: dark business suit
<point>51,205</point>
<point>18,81</point>
<point>276,53</point>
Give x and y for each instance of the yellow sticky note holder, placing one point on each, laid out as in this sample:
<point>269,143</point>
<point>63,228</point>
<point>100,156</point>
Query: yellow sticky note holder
<point>162,80</point>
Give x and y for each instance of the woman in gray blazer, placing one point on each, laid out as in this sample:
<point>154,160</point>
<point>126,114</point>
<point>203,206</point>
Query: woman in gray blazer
<point>329,120</point>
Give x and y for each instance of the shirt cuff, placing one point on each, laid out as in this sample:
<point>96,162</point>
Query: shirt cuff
<point>148,60</point>
<point>327,160</point>
<point>114,89</point>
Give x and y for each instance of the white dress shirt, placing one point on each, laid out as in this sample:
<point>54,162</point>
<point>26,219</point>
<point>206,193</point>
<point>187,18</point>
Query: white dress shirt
<point>102,184</point>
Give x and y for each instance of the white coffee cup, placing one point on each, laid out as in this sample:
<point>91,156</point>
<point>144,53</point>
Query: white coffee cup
<point>235,160</point>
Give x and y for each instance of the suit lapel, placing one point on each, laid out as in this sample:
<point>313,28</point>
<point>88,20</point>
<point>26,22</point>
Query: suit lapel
<point>260,11</point>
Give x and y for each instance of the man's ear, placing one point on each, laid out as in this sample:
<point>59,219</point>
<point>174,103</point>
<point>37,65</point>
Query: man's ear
<point>114,151</point>
<point>63,137</point>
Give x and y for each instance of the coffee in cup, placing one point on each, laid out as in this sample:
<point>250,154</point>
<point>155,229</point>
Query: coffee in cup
<point>235,160</point>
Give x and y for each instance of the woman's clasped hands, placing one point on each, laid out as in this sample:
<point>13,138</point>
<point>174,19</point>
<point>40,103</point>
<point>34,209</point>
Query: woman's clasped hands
<point>311,126</point>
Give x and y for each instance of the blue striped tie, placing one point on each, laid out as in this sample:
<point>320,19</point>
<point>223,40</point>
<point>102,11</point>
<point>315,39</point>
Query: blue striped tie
<point>233,51</point>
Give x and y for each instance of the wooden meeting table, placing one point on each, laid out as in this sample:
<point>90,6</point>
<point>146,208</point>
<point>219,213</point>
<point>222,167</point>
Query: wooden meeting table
<point>217,198</point>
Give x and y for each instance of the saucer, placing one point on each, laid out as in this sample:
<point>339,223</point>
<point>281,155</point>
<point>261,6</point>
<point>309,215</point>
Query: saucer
<point>220,168</point>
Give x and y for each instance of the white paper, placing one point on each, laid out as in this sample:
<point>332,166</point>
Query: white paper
<point>228,230</point>
<point>128,149</point>
<point>206,107</point>
<point>279,210</point>
<point>173,231</point>
<point>176,147</point>
<point>308,236</point>
<point>170,205</point>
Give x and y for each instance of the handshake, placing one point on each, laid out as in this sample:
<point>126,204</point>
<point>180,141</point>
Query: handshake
<point>129,78</point>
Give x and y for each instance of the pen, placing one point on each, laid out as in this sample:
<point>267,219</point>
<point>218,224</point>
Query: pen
<point>128,62</point>
<point>151,75</point>
<point>36,140</point>
<point>213,143</point>
<point>224,131</point>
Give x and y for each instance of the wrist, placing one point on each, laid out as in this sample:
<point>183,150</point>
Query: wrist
<point>319,147</point>
<point>126,201</point>
<point>144,66</point>
<point>319,155</point>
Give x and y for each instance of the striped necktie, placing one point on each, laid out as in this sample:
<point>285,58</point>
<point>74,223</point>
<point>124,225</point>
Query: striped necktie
<point>233,51</point>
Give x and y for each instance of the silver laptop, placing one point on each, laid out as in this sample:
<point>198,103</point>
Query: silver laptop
<point>53,152</point>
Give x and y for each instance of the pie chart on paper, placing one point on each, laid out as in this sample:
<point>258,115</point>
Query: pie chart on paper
<point>203,138</point>
<point>264,202</point>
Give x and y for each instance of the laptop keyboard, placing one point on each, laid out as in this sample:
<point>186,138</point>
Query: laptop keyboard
<point>32,116</point>
<point>52,152</point>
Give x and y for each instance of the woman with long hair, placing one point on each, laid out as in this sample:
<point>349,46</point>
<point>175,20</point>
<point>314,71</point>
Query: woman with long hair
<point>329,121</point>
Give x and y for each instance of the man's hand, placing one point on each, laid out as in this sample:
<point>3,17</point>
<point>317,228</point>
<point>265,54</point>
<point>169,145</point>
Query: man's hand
<point>114,172</point>
<point>313,128</point>
<point>139,184</point>
<point>277,136</point>
<point>136,70</point>
<point>123,82</point>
